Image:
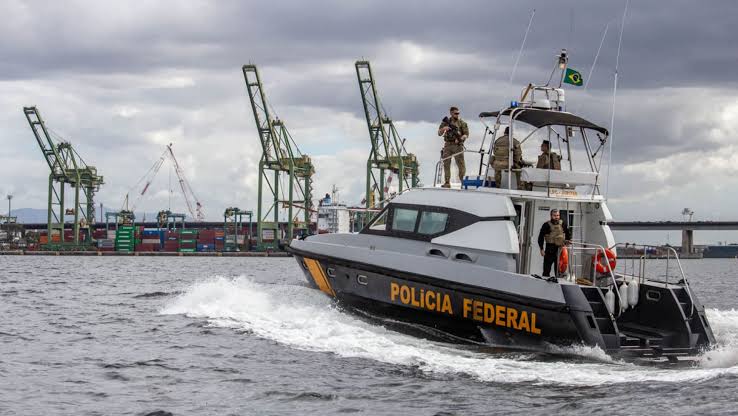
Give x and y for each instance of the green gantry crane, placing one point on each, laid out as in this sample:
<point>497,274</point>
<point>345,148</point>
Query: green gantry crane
<point>280,155</point>
<point>168,220</point>
<point>388,149</point>
<point>67,168</point>
<point>233,226</point>
<point>122,217</point>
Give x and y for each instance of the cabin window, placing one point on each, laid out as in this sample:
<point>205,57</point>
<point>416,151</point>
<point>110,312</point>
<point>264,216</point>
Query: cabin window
<point>404,219</point>
<point>432,222</point>
<point>380,223</point>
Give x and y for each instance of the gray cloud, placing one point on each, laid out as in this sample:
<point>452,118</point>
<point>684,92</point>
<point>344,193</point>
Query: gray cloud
<point>121,80</point>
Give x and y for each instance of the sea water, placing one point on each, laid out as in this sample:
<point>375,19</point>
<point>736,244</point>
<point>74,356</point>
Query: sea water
<point>136,335</point>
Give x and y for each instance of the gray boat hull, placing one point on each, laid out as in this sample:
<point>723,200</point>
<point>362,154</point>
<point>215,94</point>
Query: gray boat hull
<point>576,315</point>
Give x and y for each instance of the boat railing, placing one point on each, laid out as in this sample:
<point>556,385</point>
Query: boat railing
<point>647,256</point>
<point>438,178</point>
<point>578,252</point>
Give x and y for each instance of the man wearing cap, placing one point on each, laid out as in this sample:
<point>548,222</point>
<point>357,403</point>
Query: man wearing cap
<point>548,159</point>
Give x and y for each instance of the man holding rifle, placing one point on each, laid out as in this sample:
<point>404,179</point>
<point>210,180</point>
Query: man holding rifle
<point>454,131</point>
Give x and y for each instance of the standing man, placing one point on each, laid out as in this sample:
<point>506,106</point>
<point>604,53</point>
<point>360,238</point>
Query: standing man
<point>556,234</point>
<point>500,156</point>
<point>548,159</point>
<point>454,131</point>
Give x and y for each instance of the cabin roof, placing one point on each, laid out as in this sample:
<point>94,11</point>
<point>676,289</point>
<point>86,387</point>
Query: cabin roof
<point>481,204</point>
<point>542,118</point>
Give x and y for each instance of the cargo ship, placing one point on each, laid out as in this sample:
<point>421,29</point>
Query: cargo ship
<point>728,251</point>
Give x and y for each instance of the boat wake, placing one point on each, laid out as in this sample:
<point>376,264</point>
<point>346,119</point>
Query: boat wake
<point>303,318</point>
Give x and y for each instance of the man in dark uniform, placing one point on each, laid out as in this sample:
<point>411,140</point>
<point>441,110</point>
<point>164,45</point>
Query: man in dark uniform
<point>454,131</point>
<point>556,234</point>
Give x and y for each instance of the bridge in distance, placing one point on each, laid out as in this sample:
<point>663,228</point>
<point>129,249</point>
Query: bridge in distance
<point>687,228</point>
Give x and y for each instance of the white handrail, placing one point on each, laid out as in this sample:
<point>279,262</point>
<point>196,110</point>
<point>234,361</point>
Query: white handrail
<point>589,246</point>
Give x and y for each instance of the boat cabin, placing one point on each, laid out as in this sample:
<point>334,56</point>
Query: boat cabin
<point>481,217</point>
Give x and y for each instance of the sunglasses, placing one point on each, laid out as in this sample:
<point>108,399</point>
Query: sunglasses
<point>455,114</point>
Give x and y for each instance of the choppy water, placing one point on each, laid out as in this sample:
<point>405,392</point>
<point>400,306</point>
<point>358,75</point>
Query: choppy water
<point>88,335</point>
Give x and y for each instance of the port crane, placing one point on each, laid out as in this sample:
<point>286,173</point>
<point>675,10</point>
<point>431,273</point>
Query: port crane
<point>67,169</point>
<point>280,159</point>
<point>233,226</point>
<point>388,151</point>
<point>194,207</point>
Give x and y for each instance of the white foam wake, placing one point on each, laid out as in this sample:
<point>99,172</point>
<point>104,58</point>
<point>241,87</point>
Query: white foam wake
<point>725,328</point>
<point>306,319</point>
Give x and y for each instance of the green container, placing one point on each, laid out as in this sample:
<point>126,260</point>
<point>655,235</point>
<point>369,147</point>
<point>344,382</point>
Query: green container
<point>186,250</point>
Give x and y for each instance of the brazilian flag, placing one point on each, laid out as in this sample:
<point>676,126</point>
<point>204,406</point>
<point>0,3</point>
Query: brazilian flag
<point>573,77</point>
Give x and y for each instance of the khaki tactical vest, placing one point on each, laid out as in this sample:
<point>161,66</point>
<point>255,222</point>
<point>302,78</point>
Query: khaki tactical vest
<point>543,159</point>
<point>502,150</point>
<point>556,234</point>
<point>450,136</point>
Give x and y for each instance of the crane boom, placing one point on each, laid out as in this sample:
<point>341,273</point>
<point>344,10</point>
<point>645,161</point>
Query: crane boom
<point>51,152</point>
<point>271,142</point>
<point>67,168</point>
<point>187,191</point>
<point>388,150</point>
<point>280,156</point>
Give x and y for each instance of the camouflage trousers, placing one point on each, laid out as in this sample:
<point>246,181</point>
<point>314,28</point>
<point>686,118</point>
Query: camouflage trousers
<point>448,150</point>
<point>498,179</point>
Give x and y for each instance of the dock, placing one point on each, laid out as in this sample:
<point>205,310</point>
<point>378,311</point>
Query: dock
<point>147,253</point>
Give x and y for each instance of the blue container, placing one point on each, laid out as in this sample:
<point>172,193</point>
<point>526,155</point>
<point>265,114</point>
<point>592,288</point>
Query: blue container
<point>205,247</point>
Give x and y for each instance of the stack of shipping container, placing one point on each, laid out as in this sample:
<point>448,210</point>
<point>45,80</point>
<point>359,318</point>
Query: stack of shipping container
<point>103,240</point>
<point>206,240</point>
<point>151,239</point>
<point>129,238</point>
<point>187,241</point>
<point>219,240</point>
<point>171,241</point>
<point>125,238</point>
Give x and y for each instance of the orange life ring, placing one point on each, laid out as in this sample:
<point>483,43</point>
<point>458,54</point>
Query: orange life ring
<point>563,260</point>
<point>602,260</point>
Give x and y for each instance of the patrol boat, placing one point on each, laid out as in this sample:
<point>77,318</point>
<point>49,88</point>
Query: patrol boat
<point>466,262</point>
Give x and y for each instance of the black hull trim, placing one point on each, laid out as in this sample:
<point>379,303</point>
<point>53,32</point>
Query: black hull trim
<point>672,326</point>
<point>464,312</point>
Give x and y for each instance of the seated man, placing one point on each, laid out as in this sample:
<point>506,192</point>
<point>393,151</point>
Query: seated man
<point>548,159</point>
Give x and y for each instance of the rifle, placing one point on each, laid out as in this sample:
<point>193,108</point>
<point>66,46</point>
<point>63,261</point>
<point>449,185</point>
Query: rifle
<point>455,133</point>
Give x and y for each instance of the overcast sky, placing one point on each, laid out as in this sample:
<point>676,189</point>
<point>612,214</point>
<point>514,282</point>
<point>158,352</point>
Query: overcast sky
<point>122,79</point>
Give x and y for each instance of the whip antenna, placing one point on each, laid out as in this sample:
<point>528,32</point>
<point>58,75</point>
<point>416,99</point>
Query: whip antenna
<point>522,46</point>
<point>614,93</point>
<point>597,55</point>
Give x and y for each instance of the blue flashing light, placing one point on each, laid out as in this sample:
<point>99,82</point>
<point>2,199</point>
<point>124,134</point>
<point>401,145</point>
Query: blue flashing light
<point>513,104</point>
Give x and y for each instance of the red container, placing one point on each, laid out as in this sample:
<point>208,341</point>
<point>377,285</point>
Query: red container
<point>145,247</point>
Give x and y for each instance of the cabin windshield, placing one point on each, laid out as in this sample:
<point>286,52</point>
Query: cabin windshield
<point>568,149</point>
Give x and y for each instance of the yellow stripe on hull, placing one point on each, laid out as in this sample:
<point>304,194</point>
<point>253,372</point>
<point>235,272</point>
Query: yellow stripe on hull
<point>319,276</point>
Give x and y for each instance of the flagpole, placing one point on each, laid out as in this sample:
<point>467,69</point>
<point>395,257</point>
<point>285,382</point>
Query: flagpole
<point>614,94</point>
